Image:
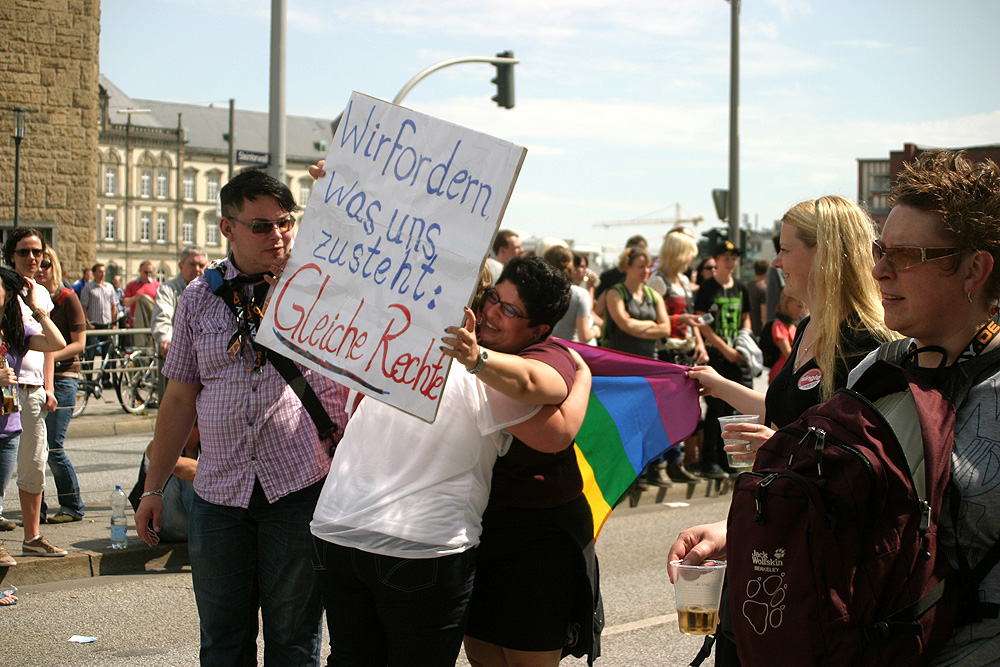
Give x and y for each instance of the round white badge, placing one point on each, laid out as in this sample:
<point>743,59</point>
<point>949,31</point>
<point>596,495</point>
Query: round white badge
<point>810,379</point>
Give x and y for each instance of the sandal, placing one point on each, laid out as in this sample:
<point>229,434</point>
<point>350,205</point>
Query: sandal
<point>8,601</point>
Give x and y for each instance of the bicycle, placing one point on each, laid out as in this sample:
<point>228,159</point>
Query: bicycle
<point>133,373</point>
<point>137,381</point>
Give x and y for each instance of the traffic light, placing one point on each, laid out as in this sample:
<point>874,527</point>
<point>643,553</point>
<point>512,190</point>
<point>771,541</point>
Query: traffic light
<point>504,82</point>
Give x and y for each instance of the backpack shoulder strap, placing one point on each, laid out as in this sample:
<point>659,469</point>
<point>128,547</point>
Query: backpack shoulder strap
<point>894,351</point>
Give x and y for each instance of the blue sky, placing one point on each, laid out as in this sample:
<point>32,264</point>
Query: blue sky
<point>622,104</point>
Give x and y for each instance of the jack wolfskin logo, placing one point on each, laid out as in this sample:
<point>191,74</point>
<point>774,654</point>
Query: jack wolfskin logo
<point>765,607</point>
<point>762,560</point>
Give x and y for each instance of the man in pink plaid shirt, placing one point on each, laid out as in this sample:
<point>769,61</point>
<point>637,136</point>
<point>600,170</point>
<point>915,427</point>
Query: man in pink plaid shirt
<point>262,462</point>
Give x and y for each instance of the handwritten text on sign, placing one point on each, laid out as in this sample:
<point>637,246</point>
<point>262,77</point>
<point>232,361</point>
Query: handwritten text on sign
<point>390,250</point>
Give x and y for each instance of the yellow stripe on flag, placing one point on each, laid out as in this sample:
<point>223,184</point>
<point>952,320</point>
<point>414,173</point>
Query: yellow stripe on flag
<point>598,505</point>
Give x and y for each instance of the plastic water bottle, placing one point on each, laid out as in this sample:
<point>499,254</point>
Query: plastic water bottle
<point>119,523</point>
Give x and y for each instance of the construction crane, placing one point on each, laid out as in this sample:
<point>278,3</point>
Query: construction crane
<point>676,220</point>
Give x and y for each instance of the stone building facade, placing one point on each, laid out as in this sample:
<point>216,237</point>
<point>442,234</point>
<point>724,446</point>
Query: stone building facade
<point>49,61</point>
<point>161,166</point>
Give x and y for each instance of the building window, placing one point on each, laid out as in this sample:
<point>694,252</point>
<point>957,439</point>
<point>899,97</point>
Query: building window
<point>161,185</point>
<point>161,227</point>
<point>145,227</point>
<point>145,183</point>
<point>110,181</point>
<point>212,232</point>
<point>213,188</point>
<point>188,186</point>
<point>187,227</point>
<point>110,225</point>
<point>304,195</point>
<point>162,274</point>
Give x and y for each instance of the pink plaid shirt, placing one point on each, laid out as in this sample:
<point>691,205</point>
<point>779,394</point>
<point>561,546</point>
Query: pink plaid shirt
<point>253,426</point>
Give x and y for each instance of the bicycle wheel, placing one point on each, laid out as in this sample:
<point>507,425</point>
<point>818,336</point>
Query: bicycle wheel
<point>137,382</point>
<point>82,396</point>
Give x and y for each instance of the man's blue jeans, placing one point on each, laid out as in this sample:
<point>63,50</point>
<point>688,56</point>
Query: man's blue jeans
<point>56,423</point>
<point>8,462</point>
<point>382,610</point>
<point>260,557</point>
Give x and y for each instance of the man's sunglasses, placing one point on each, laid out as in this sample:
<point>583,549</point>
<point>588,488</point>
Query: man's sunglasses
<point>903,258</point>
<point>262,227</point>
<point>24,252</point>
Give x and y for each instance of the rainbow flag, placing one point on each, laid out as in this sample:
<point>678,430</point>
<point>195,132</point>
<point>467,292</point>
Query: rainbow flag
<point>639,407</point>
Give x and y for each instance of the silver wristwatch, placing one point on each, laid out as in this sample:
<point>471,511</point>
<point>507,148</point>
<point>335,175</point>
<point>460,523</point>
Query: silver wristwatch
<point>483,356</point>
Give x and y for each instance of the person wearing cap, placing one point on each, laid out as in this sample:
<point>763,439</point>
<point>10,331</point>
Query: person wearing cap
<point>728,301</point>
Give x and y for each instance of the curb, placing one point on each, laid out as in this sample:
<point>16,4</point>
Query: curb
<point>84,564</point>
<point>97,427</point>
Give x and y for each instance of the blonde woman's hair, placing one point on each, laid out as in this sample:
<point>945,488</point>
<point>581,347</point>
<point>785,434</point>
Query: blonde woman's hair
<point>55,272</point>
<point>677,252</point>
<point>841,280</point>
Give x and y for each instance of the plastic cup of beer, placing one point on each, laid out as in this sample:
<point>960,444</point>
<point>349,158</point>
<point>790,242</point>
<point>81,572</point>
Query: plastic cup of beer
<point>738,459</point>
<point>698,591</point>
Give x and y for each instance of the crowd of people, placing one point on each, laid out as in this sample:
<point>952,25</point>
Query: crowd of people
<point>43,383</point>
<point>418,538</point>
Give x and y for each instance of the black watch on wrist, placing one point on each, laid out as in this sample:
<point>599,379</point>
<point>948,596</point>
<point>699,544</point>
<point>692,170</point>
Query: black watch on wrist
<point>483,356</point>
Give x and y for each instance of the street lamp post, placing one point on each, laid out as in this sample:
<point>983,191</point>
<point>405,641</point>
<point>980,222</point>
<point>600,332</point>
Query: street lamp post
<point>19,117</point>
<point>128,171</point>
<point>734,124</point>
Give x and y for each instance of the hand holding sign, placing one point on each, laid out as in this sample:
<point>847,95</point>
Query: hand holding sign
<point>391,245</point>
<point>462,345</point>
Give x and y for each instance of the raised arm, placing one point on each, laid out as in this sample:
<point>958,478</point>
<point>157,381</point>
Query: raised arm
<point>554,428</point>
<point>525,380</point>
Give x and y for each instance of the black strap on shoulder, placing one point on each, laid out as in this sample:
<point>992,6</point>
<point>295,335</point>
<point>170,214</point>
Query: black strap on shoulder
<point>292,375</point>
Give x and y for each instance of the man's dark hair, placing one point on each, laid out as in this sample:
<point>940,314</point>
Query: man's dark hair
<point>15,237</point>
<point>99,265</point>
<point>760,267</point>
<point>543,290</point>
<point>250,184</point>
<point>502,239</point>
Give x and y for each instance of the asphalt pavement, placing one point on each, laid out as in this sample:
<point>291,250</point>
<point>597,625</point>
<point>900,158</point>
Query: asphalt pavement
<point>105,444</point>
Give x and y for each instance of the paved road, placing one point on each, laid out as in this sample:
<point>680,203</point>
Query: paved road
<point>150,619</point>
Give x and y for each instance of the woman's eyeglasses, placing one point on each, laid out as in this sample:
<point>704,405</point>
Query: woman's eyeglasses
<point>709,268</point>
<point>45,264</point>
<point>903,258</point>
<point>508,310</point>
<point>262,227</point>
<point>24,252</point>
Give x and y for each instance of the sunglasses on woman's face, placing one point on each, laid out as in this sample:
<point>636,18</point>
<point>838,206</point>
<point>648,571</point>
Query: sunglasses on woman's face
<point>45,264</point>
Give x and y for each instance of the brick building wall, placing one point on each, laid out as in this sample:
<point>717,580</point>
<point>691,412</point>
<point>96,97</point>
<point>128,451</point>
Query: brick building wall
<point>49,67</point>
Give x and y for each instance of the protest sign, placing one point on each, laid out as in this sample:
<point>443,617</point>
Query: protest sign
<point>389,251</point>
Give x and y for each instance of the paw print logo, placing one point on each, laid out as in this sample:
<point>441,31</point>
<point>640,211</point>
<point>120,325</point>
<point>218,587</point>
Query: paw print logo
<point>780,553</point>
<point>765,607</point>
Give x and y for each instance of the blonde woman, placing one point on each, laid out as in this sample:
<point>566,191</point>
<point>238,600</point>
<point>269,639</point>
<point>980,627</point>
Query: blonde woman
<point>825,256</point>
<point>69,318</point>
<point>676,254</point>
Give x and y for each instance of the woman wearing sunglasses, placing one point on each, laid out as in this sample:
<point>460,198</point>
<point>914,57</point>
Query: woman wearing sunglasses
<point>937,268</point>
<point>67,314</point>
